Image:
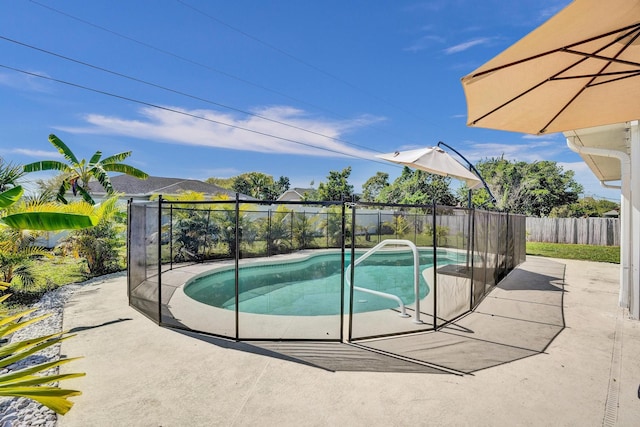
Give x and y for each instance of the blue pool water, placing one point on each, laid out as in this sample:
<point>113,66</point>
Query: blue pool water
<point>311,286</point>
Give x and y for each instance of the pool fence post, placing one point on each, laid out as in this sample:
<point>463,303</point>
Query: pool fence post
<point>471,242</point>
<point>170,235</point>
<point>435,268</point>
<point>159,260</point>
<point>237,263</point>
<point>129,215</point>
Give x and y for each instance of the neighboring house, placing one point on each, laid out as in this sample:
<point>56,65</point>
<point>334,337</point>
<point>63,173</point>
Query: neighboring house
<point>294,194</point>
<point>142,189</point>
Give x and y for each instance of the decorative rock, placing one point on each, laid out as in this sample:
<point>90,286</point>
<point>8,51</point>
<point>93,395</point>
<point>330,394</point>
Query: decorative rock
<point>22,412</point>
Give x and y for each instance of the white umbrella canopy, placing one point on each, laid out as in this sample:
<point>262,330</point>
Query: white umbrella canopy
<point>434,160</point>
<point>579,69</point>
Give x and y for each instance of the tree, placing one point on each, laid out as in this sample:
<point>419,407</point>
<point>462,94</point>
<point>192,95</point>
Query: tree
<point>281,186</point>
<point>259,185</point>
<point>528,188</point>
<point>337,186</point>
<point>585,207</point>
<point>418,187</point>
<point>221,182</point>
<point>78,173</point>
<point>374,186</point>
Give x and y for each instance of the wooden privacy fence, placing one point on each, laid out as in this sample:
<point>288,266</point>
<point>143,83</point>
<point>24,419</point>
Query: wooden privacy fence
<point>585,231</point>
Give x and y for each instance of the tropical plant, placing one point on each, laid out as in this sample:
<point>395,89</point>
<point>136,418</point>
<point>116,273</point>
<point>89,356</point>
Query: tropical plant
<point>23,382</point>
<point>332,224</point>
<point>225,217</point>
<point>276,230</point>
<point>399,225</point>
<point>441,233</point>
<point>78,173</point>
<point>259,185</point>
<point>100,245</point>
<point>304,229</point>
<point>17,249</point>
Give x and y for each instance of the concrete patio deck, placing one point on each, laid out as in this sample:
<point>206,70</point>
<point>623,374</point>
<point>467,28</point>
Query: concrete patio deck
<point>557,353</point>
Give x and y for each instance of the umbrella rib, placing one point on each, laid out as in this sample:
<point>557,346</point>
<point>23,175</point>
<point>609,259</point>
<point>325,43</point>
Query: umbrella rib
<point>634,74</point>
<point>604,58</point>
<point>625,74</point>
<point>590,83</point>
<point>633,27</point>
<point>531,89</point>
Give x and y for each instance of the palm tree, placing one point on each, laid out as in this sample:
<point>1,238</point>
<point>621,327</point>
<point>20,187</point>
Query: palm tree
<point>77,174</point>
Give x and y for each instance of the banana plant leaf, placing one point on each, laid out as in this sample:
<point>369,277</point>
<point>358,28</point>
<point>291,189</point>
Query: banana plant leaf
<point>26,374</point>
<point>49,221</point>
<point>17,351</point>
<point>53,398</point>
<point>9,197</point>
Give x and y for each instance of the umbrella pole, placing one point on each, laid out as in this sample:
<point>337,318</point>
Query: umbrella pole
<point>472,168</point>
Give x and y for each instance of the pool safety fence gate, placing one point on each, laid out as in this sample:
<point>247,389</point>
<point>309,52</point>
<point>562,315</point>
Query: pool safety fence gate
<point>254,270</point>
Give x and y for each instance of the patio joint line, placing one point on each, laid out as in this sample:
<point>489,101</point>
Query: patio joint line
<point>613,392</point>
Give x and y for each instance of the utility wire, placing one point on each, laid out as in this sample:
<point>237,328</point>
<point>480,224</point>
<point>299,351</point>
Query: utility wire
<point>135,79</point>
<point>295,58</point>
<point>184,113</point>
<point>196,63</point>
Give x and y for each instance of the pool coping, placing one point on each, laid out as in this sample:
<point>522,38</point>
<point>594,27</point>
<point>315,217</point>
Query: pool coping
<point>197,316</point>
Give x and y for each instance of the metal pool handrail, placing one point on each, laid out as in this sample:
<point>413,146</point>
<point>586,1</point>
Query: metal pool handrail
<point>416,278</point>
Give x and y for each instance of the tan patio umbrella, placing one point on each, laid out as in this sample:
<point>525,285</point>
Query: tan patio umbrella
<point>579,69</point>
<point>434,160</point>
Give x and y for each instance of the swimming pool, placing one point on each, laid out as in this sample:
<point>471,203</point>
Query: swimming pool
<point>311,286</point>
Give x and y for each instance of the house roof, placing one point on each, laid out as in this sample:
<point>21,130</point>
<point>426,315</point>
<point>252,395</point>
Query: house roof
<point>294,194</point>
<point>134,187</point>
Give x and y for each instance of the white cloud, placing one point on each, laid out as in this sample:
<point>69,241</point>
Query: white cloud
<point>304,135</point>
<point>26,82</point>
<point>36,153</point>
<point>423,43</point>
<point>466,45</point>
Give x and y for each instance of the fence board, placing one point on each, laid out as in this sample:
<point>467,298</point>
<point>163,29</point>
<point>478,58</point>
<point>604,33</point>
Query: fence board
<point>584,231</point>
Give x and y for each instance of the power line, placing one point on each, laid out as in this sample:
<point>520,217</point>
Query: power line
<point>184,113</point>
<point>196,63</point>
<point>295,58</point>
<point>135,79</point>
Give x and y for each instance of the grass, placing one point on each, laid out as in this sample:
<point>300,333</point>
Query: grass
<point>51,273</point>
<point>581,252</point>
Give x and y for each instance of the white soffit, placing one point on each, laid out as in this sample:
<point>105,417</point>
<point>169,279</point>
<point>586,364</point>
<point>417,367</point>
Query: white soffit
<point>609,137</point>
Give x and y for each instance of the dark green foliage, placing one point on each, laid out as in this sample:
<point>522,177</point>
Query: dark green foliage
<point>194,233</point>
<point>417,187</point>
<point>337,186</point>
<point>585,207</point>
<point>532,189</point>
<point>260,186</point>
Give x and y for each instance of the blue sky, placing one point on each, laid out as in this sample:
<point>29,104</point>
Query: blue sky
<point>208,88</point>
